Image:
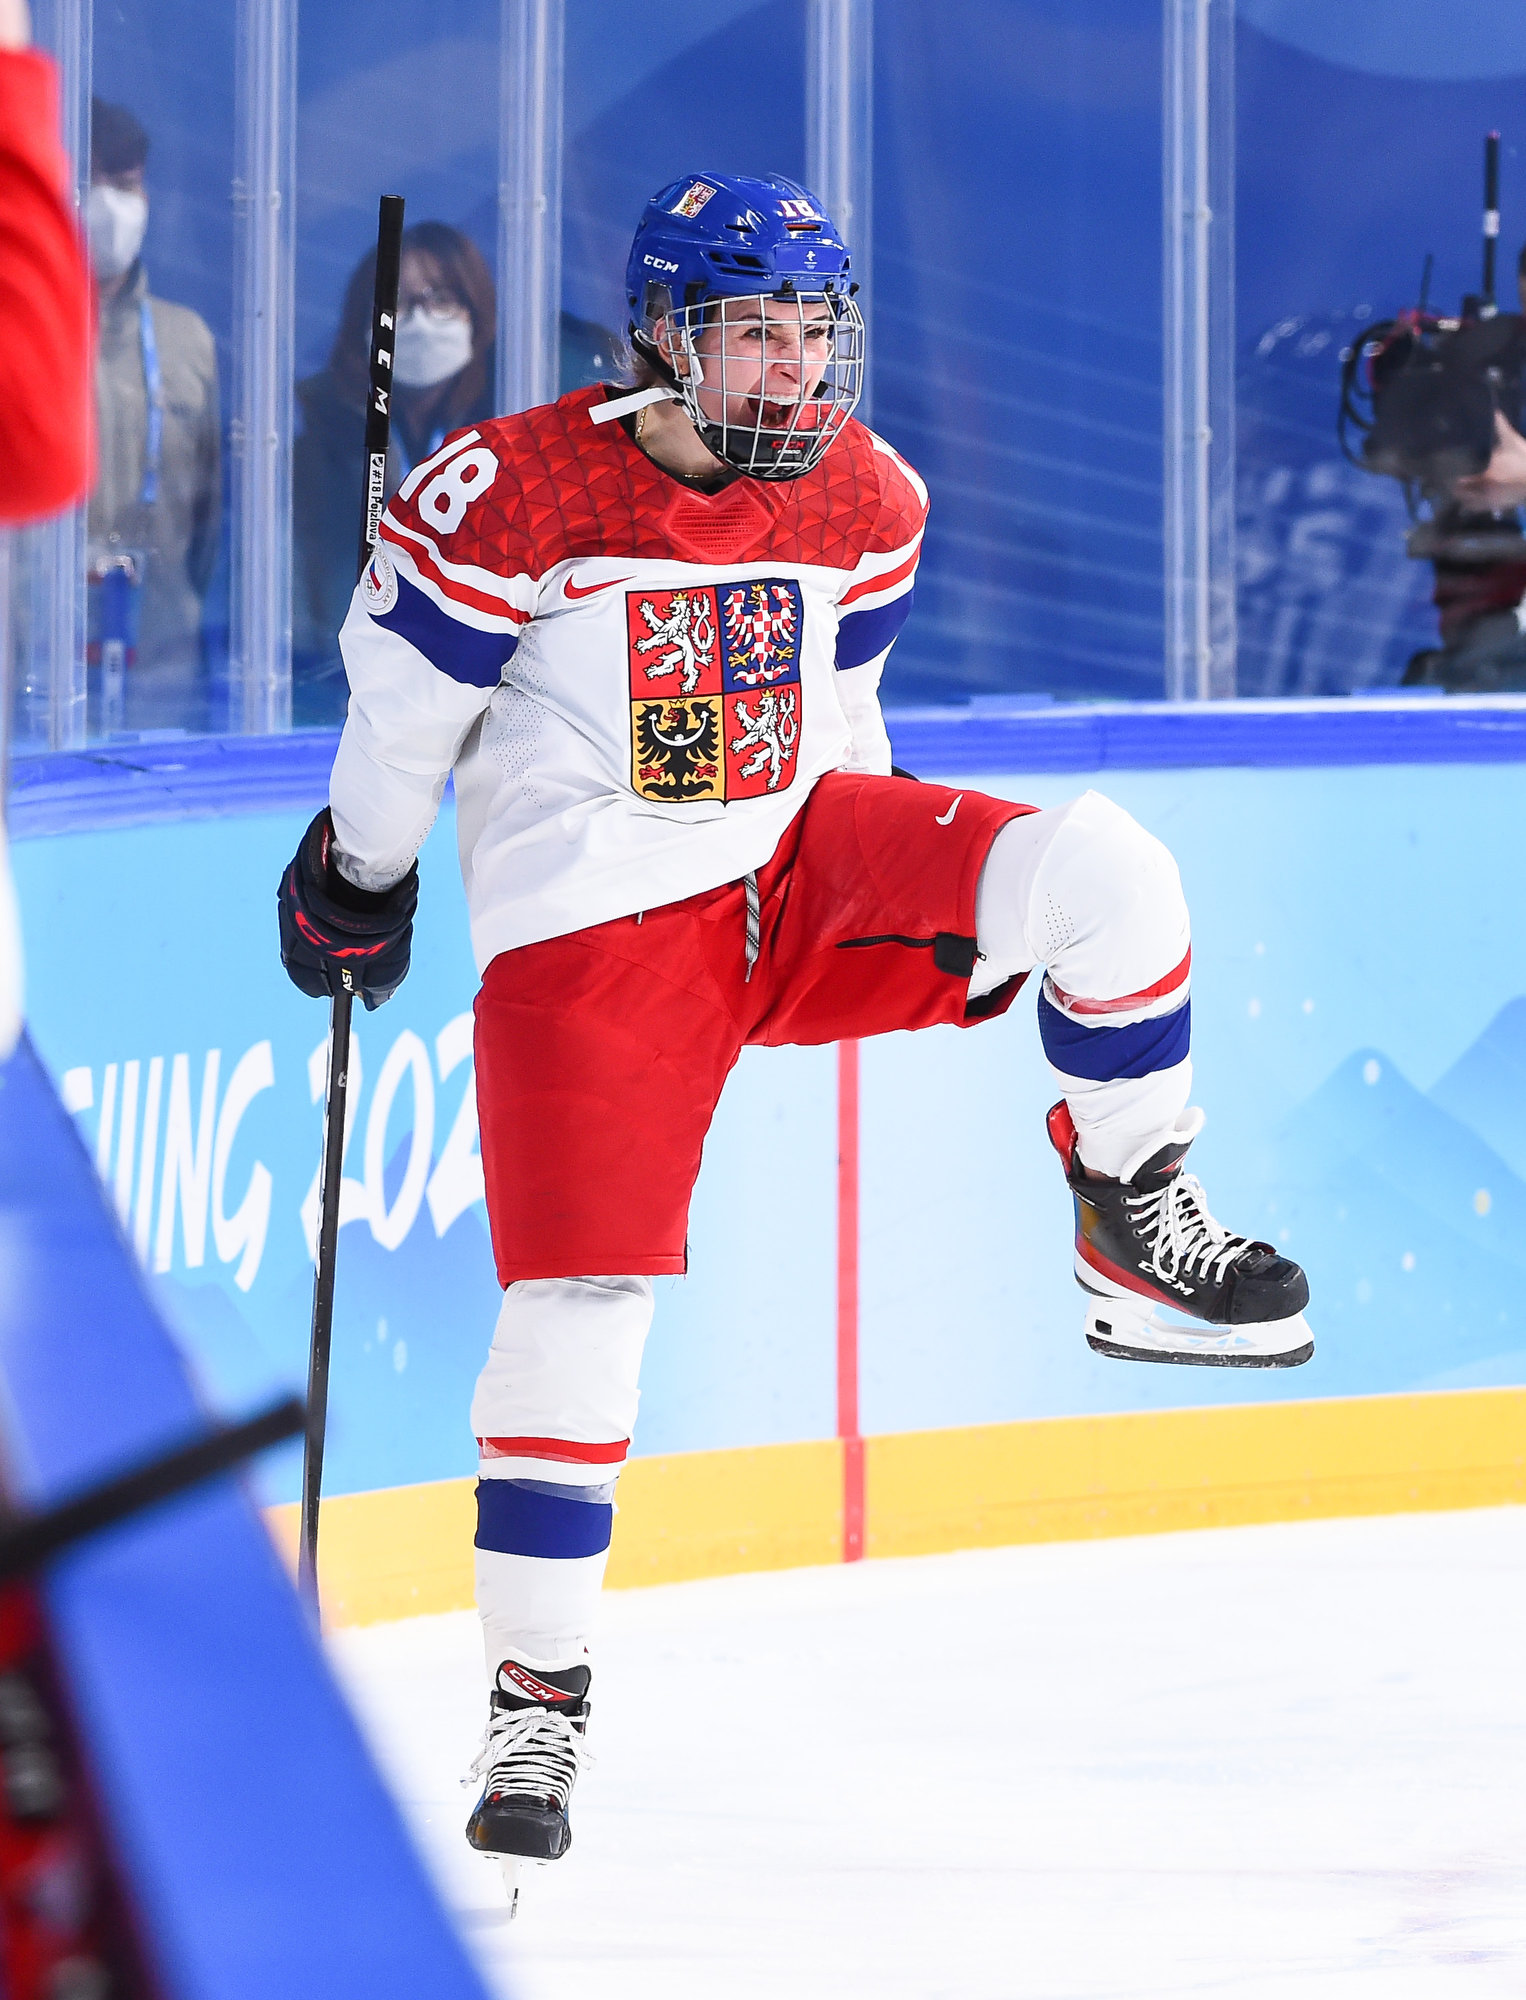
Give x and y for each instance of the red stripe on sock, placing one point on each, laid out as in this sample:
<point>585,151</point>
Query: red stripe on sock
<point>562,1449</point>
<point>1176,977</point>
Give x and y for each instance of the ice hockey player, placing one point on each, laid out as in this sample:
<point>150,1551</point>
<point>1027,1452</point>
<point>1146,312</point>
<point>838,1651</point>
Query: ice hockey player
<point>645,631</point>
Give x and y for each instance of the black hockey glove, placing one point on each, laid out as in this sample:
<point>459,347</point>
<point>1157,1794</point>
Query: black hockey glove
<point>335,936</point>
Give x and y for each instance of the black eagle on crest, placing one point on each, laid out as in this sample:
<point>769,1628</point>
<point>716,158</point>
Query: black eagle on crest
<point>678,749</point>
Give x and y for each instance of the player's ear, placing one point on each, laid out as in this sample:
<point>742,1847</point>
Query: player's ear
<point>669,344</point>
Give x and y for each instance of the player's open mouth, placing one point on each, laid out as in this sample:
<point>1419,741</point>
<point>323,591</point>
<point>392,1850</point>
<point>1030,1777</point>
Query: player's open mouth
<point>772,416</point>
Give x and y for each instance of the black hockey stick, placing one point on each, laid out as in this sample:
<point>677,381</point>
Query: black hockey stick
<point>27,1541</point>
<point>389,254</point>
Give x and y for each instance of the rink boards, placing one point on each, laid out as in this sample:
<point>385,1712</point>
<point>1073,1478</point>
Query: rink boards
<point>1360,1042</point>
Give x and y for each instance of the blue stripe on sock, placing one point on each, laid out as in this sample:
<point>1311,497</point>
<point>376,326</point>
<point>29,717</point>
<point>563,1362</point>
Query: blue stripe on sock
<point>1106,1055</point>
<point>515,1520</point>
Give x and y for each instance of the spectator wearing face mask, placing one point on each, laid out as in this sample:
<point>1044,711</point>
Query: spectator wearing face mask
<point>442,380</point>
<point>155,512</point>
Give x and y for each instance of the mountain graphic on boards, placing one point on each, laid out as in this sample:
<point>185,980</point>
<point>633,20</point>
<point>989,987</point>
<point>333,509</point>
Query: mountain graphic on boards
<point>1485,1088</point>
<point>1409,1211</point>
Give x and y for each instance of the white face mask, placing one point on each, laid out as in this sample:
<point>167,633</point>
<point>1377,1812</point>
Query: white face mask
<point>115,220</point>
<point>430,350</point>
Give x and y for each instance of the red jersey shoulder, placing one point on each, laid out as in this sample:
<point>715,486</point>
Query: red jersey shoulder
<point>903,497</point>
<point>551,441</point>
<point>862,500</point>
<point>523,493</point>
<point>528,491</point>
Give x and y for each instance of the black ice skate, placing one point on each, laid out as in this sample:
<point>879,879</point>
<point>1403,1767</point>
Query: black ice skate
<point>531,1754</point>
<point>1166,1282</point>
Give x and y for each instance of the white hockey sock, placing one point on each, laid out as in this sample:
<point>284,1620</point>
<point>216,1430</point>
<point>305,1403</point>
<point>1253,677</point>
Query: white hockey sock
<point>537,1611</point>
<point>553,1413</point>
<point>1083,890</point>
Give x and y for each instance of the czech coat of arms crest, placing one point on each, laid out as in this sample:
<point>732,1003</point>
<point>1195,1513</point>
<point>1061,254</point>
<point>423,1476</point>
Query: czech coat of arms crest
<point>715,689</point>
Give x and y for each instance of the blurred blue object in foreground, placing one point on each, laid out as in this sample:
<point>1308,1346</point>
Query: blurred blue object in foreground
<point>245,1844</point>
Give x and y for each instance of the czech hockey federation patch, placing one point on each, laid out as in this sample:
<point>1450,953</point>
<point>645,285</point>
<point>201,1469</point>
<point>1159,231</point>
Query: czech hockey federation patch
<point>693,199</point>
<point>378,583</point>
<point>715,689</point>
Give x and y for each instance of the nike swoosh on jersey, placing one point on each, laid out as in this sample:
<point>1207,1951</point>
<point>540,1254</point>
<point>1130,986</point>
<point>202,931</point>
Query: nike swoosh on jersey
<point>570,589</point>
<point>947,819</point>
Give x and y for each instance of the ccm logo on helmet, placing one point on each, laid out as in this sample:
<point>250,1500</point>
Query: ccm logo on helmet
<point>659,263</point>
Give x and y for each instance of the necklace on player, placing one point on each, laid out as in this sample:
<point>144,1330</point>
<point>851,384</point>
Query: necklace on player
<point>641,416</point>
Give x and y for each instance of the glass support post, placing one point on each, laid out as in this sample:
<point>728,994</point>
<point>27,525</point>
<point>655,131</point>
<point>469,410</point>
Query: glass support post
<point>1198,286</point>
<point>54,562</point>
<point>839,129</point>
<point>263,322</point>
<point>531,43</point>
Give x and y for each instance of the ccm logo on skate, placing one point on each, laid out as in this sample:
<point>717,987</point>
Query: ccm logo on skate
<point>537,1690</point>
<point>947,819</point>
<point>571,590</point>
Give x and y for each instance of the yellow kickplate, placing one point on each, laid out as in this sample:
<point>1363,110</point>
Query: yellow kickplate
<point>1069,1478</point>
<point>713,1513</point>
<point>396,1553</point>
<point>408,1550</point>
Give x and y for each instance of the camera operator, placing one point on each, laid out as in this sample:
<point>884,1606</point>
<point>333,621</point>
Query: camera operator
<point>1478,552</point>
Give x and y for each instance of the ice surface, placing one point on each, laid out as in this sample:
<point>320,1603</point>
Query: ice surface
<point>1263,1762</point>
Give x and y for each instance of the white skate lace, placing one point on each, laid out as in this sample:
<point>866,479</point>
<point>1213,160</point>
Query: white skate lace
<point>1188,1241</point>
<point>531,1753</point>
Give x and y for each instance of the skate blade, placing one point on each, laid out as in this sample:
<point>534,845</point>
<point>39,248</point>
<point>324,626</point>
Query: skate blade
<point>515,1870</point>
<point>1126,1332</point>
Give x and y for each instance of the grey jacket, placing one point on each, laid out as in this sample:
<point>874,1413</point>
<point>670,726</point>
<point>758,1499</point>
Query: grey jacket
<point>178,535</point>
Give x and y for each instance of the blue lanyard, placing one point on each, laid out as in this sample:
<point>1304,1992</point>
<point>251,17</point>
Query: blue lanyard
<point>153,382</point>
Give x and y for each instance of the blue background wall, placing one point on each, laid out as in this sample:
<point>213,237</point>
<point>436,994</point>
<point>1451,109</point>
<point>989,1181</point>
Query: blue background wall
<point>1360,149</point>
<point>1017,266</point>
<point>1360,1048</point>
<point>1360,1015</point>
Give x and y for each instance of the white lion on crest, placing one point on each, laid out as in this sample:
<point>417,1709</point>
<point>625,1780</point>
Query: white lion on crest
<point>774,730</point>
<point>687,634</point>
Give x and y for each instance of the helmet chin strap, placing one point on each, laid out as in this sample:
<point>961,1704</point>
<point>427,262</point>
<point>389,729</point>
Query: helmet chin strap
<point>623,406</point>
<point>661,392</point>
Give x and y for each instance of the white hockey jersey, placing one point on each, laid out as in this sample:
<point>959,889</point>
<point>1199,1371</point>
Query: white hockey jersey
<point>635,683</point>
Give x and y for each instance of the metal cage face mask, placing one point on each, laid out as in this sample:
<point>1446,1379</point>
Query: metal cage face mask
<point>778,385</point>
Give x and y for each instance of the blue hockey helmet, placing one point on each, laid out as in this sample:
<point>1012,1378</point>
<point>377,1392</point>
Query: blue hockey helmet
<point>715,252</point>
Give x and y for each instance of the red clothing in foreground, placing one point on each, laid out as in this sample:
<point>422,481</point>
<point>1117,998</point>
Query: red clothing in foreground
<point>45,410</point>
